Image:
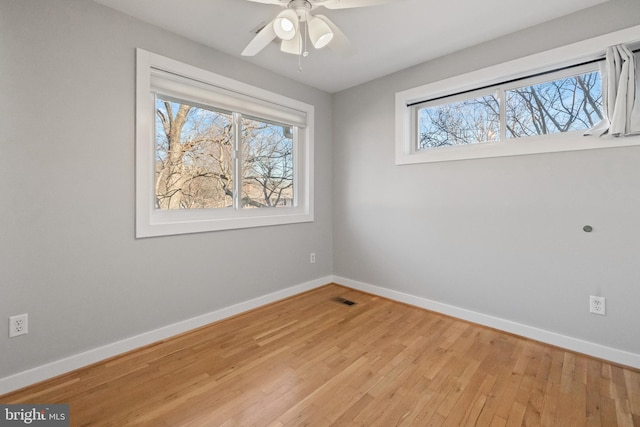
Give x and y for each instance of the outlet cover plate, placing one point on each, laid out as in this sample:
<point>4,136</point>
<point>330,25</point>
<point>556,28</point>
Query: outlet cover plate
<point>597,305</point>
<point>18,325</point>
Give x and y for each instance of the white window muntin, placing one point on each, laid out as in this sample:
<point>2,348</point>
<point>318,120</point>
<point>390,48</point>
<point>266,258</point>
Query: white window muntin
<point>161,75</point>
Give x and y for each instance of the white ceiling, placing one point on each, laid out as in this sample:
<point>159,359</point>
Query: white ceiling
<point>386,38</point>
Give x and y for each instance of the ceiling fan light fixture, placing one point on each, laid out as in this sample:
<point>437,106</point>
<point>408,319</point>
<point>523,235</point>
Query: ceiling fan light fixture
<point>293,46</point>
<point>319,33</point>
<point>286,24</point>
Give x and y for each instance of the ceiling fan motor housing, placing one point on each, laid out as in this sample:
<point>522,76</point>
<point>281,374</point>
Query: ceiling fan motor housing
<point>301,7</point>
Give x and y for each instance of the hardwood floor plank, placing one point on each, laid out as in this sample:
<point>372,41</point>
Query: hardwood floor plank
<point>498,422</point>
<point>516,415</point>
<point>310,360</point>
<point>632,383</point>
<point>607,411</point>
<point>593,398</point>
<point>471,417</point>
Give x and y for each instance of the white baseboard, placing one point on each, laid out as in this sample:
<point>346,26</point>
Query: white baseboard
<point>574,344</point>
<point>58,367</point>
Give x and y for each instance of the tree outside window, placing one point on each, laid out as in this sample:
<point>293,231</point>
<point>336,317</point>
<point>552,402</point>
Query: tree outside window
<point>564,104</point>
<point>195,154</point>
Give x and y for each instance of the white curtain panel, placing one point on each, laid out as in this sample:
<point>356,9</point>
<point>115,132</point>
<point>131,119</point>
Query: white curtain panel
<point>620,95</point>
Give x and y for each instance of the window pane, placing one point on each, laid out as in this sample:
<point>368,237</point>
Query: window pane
<point>567,104</point>
<point>267,166</point>
<point>470,121</point>
<point>193,157</point>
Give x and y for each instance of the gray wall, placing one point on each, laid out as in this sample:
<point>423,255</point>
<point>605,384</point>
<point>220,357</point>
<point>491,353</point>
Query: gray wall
<point>68,256</point>
<point>498,236</point>
<point>502,236</point>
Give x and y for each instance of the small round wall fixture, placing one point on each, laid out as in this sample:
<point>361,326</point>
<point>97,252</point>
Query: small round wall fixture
<point>587,229</point>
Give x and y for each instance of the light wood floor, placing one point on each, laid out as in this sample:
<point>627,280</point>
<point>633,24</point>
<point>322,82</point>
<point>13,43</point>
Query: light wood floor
<point>310,360</point>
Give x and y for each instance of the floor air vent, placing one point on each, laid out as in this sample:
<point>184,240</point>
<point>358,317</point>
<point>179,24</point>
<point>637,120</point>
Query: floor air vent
<point>344,301</point>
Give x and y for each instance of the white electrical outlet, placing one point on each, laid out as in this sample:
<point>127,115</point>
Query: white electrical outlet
<point>18,325</point>
<point>597,305</point>
<point>312,257</point>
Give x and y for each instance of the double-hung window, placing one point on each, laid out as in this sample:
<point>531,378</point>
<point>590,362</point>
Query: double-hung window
<point>217,154</point>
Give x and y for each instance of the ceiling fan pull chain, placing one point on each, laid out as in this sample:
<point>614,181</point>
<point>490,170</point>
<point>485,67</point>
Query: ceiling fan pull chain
<point>300,58</point>
<point>303,48</point>
<point>306,36</point>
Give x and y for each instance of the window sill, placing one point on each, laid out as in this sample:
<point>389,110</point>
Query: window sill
<point>164,223</point>
<point>555,143</point>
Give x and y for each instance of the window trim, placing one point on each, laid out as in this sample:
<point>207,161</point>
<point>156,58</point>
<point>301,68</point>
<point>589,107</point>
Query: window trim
<point>151,222</point>
<point>555,58</point>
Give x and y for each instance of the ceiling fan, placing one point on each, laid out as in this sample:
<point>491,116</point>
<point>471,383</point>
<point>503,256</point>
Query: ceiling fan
<point>296,25</point>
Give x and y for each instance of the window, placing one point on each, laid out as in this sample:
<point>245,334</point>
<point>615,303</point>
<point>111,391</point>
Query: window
<point>469,121</point>
<point>194,150</point>
<point>499,111</point>
<point>562,101</point>
<point>216,154</point>
<point>562,104</point>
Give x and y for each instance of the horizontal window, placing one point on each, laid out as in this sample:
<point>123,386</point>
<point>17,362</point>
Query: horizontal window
<point>195,151</point>
<point>216,154</point>
<point>536,104</point>
<point>565,101</point>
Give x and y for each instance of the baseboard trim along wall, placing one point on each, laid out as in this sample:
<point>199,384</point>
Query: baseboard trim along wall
<point>68,364</point>
<point>580,346</point>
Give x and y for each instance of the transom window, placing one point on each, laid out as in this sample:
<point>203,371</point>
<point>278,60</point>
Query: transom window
<point>514,108</point>
<point>564,101</point>
<point>217,154</point>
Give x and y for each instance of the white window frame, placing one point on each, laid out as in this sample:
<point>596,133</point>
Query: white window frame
<point>406,135</point>
<point>217,91</point>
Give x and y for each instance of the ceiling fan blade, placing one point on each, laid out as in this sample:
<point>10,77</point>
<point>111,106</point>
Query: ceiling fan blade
<point>340,43</point>
<point>347,4</point>
<point>280,2</point>
<point>260,41</point>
